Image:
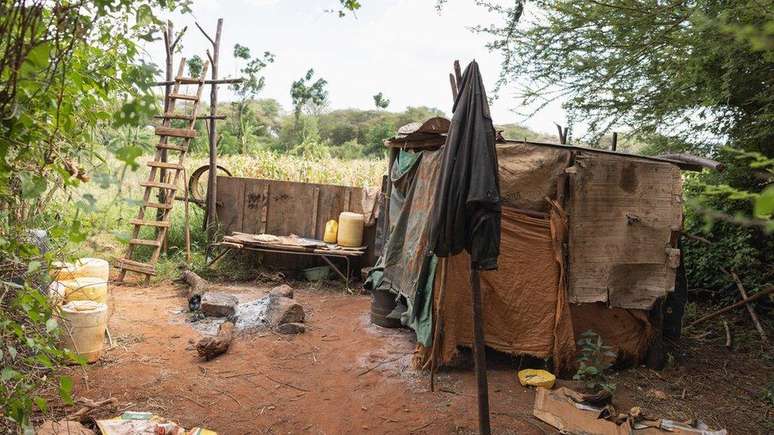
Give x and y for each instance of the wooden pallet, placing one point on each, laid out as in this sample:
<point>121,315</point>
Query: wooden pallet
<point>164,176</point>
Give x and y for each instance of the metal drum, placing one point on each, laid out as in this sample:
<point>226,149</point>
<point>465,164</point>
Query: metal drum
<point>382,304</point>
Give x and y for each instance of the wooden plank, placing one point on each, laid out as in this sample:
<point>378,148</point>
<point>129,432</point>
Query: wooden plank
<point>175,132</point>
<point>165,165</point>
<point>160,224</point>
<point>254,201</point>
<point>184,97</point>
<point>231,194</point>
<point>136,266</point>
<point>158,205</point>
<point>265,208</point>
<point>315,207</point>
<point>622,214</point>
<point>144,242</point>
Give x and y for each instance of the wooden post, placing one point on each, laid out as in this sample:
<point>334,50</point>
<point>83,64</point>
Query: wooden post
<point>615,141</point>
<point>479,352</point>
<point>212,174</point>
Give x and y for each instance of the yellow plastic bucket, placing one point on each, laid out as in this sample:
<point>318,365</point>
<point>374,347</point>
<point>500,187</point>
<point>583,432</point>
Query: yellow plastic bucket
<point>80,289</point>
<point>83,328</point>
<point>536,378</point>
<point>93,267</point>
<point>62,271</point>
<point>350,229</point>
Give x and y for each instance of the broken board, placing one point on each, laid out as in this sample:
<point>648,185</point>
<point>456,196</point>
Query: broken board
<point>623,213</point>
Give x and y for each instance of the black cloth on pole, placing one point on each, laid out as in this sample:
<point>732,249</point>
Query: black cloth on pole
<point>467,214</point>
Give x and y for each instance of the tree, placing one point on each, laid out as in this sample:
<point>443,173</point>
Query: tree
<point>380,101</point>
<point>681,76</point>
<point>246,91</point>
<point>309,95</point>
<point>680,68</point>
<point>195,66</point>
<point>66,68</point>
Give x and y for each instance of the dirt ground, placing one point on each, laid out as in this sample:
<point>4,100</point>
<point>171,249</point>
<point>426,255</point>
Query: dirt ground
<point>345,375</point>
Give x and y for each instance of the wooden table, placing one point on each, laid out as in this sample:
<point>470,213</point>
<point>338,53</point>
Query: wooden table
<point>326,254</point>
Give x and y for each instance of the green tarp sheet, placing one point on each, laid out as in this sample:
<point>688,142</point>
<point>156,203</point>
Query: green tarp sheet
<point>406,267</point>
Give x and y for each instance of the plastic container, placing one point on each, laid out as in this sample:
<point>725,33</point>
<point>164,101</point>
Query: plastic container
<point>350,230</point>
<point>62,271</point>
<point>318,273</point>
<point>80,289</point>
<point>331,231</point>
<point>84,324</point>
<point>537,378</point>
<point>93,267</point>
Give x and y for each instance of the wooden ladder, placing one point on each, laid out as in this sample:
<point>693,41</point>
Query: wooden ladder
<point>169,175</point>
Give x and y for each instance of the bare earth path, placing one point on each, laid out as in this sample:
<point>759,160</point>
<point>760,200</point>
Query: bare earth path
<point>345,375</point>
<point>342,376</point>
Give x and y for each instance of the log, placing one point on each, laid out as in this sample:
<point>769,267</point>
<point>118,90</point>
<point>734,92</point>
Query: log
<point>197,287</point>
<point>210,347</point>
<point>694,160</point>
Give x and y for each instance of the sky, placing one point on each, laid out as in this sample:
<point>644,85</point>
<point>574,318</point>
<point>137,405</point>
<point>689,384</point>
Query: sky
<point>403,48</point>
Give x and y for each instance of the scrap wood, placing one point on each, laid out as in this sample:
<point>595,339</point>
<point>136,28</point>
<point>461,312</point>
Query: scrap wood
<point>210,347</point>
<point>728,334</point>
<point>749,307</point>
<point>88,406</point>
<point>286,384</point>
<point>744,301</point>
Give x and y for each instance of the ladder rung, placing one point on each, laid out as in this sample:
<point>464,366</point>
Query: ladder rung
<point>170,115</point>
<point>144,242</point>
<point>184,97</point>
<point>135,266</point>
<point>158,185</point>
<point>165,165</point>
<point>171,146</point>
<point>175,132</point>
<point>163,224</point>
<point>189,80</point>
<point>158,205</point>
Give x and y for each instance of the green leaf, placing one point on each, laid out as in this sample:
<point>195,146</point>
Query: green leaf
<point>764,204</point>
<point>7,374</point>
<point>66,389</point>
<point>32,185</point>
<point>51,324</point>
<point>41,404</point>
<point>33,266</point>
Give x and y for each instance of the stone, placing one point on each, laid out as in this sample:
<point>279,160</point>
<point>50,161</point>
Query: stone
<point>283,290</point>
<point>283,310</point>
<point>291,328</point>
<point>218,304</point>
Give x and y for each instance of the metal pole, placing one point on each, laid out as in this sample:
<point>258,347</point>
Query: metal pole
<point>479,353</point>
<point>615,140</point>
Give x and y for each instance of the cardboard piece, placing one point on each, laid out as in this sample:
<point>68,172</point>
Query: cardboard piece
<point>557,409</point>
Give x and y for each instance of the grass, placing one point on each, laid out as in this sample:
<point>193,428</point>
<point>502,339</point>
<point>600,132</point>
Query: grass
<point>115,203</point>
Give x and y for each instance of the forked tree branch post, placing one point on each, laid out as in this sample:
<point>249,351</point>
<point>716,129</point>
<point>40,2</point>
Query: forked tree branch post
<point>212,180</point>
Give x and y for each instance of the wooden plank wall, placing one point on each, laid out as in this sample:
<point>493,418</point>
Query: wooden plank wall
<point>253,205</point>
<point>622,214</point>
